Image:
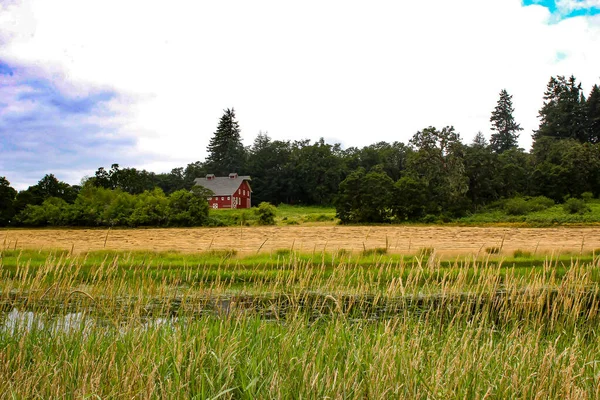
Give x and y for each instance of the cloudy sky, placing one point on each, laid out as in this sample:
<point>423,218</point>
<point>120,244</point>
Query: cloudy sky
<point>88,83</point>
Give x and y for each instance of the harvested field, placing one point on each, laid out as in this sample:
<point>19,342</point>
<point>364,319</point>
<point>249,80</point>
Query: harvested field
<point>447,241</point>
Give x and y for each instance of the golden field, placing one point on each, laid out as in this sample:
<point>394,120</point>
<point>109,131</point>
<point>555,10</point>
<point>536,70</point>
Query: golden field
<point>447,241</point>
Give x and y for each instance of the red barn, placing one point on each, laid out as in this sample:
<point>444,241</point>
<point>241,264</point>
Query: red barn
<point>231,191</point>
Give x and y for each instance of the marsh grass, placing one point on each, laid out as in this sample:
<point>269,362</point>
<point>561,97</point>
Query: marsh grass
<point>375,251</point>
<point>142,325</point>
<point>492,250</point>
<point>522,254</point>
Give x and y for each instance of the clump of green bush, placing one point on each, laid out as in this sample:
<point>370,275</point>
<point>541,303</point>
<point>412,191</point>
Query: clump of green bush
<point>266,213</point>
<point>97,206</point>
<point>524,205</point>
<point>576,206</point>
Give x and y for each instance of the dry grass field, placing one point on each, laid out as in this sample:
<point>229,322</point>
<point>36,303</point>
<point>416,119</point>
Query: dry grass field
<point>447,241</point>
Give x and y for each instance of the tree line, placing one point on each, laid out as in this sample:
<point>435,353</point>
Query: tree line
<point>435,174</point>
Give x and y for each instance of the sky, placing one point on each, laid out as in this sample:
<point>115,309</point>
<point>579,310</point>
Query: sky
<point>143,83</point>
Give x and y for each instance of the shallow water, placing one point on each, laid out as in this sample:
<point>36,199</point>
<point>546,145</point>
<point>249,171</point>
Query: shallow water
<point>81,315</point>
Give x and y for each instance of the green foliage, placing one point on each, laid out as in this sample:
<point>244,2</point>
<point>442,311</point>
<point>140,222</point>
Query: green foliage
<point>409,199</point>
<point>226,152</point>
<point>269,163</point>
<point>563,113</point>
<point>516,206</point>
<point>592,109</point>
<point>314,173</point>
<point>129,180</point>
<point>52,212</point>
<point>483,169</point>
<point>576,206</point>
<point>439,163</point>
<point>187,209</point>
<point>7,198</point>
<point>365,197</point>
<point>266,213</point>
<point>504,125</point>
<point>522,206</point>
<point>539,203</point>
<point>97,206</point>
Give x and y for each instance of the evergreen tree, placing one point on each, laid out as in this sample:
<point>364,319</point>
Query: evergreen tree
<point>503,123</point>
<point>479,141</point>
<point>226,153</point>
<point>563,113</point>
<point>593,115</point>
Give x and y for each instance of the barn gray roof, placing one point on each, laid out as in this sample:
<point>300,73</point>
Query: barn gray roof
<point>222,185</point>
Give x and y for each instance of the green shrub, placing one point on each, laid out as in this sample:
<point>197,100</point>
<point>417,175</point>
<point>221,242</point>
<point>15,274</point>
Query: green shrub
<point>516,206</point>
<point>266,213</point>
<point>576,206</point>
<point>540,203</point>
<point>429,219</point>
<point>587,196</point>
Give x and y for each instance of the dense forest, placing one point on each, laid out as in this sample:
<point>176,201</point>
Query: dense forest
<point>435,174</point>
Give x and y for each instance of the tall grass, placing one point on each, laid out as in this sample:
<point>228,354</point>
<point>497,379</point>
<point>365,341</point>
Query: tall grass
<point>295,328</point>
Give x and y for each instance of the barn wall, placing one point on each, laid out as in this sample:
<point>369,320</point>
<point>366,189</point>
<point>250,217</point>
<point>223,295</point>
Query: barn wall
<point>243,195</point>
<point>220,202</point>
<point>242,198</point>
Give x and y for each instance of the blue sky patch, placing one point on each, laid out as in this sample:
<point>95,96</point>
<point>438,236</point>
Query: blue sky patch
<point>551,5</point>
<point>5,69</point>
<point>560,55</point>
<point>44,130</point>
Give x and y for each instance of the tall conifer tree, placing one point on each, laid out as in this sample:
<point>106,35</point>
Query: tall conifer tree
<point>226,153</point>
<point>504,125</point>
<point>563,114</point>
<point>593,115</point>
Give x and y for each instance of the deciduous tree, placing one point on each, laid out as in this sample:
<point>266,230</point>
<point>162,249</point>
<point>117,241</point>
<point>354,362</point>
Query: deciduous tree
<point>7,198</point>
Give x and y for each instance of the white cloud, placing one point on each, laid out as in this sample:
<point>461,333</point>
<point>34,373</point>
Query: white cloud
<point>567,6</point>
<point>359,71</point>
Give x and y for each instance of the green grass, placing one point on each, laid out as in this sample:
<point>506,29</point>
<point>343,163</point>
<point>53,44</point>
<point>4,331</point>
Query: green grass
<point>297,325</point>
<point>554,215</point>
<point>286,215</point>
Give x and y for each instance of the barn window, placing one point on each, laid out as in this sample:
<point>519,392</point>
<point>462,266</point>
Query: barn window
<point>228,198</point>
<point>222,198</point>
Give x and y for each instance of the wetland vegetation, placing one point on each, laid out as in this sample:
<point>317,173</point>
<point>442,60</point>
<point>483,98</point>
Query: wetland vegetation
<point>286,324</point>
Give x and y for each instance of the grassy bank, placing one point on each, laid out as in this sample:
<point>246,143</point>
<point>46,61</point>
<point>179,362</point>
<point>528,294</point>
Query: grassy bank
<point>494,214</point>
<point>160,325</point>
<point>286,215</point>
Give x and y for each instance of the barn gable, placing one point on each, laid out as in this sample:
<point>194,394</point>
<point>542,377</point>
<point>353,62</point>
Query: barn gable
<point>231,191</point>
